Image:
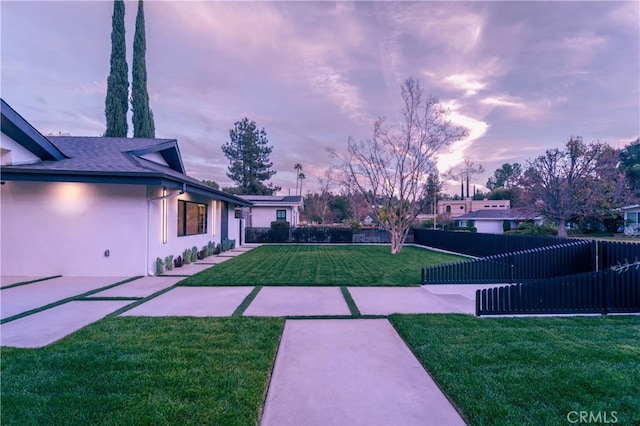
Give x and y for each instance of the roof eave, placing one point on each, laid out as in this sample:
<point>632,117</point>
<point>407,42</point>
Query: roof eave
<point>125,178</point>
<point>19,129</point>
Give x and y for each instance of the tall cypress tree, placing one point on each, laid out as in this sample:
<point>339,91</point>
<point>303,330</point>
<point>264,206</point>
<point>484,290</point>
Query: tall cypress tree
<point>143,126</point>
<point>117,100</point>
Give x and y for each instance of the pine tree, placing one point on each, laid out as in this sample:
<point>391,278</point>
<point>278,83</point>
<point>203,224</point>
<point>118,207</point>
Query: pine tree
<point>248,153</point>
<point>143,126</point>
<point>117,100</point>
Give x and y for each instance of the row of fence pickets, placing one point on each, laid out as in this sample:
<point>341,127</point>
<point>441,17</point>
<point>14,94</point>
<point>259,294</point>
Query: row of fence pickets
<point>550,275</point>
<point>543,262</point>
<point>601,292</point>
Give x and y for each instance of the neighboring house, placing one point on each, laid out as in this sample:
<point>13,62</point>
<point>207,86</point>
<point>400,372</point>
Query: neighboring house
<point>631,219</point>
<point>494,221</point>
<point>456,208</point>
<point>99,206</point>
<point>274,208</point>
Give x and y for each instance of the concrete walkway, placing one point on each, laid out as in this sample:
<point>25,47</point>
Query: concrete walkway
<point>165,299</point>
<point>351,372</point>
<point>327,371</point>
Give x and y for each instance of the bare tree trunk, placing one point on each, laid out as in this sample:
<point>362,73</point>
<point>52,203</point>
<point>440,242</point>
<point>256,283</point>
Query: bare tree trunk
<point>562,229</point>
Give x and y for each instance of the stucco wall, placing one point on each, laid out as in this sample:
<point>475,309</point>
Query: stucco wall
<point>234,226</point>
<point>65,228</point>
<point>261,217</point>
<point>14,153</point>
<point>175,245</point>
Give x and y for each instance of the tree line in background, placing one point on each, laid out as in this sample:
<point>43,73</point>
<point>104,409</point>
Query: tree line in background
<point>117,98</point>
<point>580,182</point>
<point>391,178</point>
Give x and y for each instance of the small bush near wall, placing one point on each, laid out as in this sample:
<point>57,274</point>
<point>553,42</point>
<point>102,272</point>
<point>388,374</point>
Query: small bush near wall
<point>168,261</point>
<point>159,266</point>
<point>529,228</point>
<point>461,228</point>
<point>280,231</point>
<point>341,235</point>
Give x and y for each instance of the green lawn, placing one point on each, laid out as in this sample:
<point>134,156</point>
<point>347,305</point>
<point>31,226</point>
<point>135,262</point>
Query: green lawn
<point>144,371</point>
<point>364,265</point>
<point>531,371</point>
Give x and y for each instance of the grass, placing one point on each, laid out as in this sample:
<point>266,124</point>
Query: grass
<point>531,371</point>
<point>322,265</point>
<point>144,371</point>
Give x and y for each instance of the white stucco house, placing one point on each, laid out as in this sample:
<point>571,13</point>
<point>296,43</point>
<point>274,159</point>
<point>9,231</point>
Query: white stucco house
<point>631,215</point>
<point>97,206</point>
<point>495,221</point>
<point>274,208</point>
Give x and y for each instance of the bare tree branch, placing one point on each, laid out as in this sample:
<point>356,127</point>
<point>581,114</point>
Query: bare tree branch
<point>390,170</point>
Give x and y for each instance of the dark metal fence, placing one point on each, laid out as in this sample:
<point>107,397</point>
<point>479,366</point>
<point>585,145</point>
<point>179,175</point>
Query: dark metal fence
<point>329,235</point>
<point>481,245</point>
<point>542,262</point>
<point>614,253</point>
<point>602,292</point>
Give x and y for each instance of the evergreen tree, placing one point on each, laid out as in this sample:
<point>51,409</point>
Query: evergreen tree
<point>143,126</point>
<point>117,100</point>
<point>248,153</point>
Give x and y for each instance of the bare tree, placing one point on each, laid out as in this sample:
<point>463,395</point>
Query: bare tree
<point>578,181</point>
<point>316,205</point>
<point>390,171</point>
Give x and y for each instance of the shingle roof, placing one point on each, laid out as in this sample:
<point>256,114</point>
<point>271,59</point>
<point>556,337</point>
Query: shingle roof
<point>510,214</point>
<point>114,158</point>
<point>97,154</point>
<point>265,199</point>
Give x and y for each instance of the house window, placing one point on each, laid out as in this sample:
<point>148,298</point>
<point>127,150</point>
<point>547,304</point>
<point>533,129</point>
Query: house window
<point>192,218</point>
<point>632,218</point>
<point>448,209</point>
<point>281,215</point>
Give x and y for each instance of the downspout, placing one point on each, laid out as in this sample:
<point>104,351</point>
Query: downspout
<point>162,197</point>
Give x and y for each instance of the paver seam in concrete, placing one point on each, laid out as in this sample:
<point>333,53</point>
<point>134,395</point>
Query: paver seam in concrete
<point>452,402</point>
<point>142,300</point>
<point>246,302</point>
<point>104,298</point>
<point>67,299</point>
<point>353,307</point>
<point>28,282</point>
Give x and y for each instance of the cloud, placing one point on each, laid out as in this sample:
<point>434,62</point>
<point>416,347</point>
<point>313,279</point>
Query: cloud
<point>468,83</point>
<point>624,16</point>
<point>502,101</point>
<point>457,152</point>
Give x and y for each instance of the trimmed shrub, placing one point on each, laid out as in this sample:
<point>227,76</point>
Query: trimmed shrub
<point>159,266</point>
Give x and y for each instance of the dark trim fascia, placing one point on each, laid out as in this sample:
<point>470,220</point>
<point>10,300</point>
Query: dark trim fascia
<point>19,129</point>
<point>168,150</point>
<point>123,178</point>
<point>218,195</point>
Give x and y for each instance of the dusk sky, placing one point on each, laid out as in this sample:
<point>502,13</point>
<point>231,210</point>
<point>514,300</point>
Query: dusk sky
<point>521,76</point>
